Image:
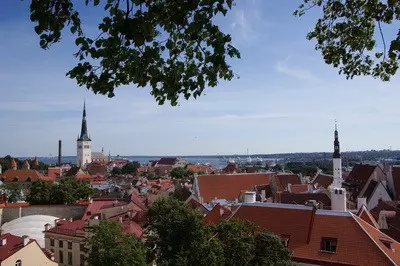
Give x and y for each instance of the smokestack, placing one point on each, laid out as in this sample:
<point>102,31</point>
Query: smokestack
<point>59,152</point>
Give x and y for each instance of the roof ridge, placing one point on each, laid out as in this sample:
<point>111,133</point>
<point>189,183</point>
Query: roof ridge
<point>373,240</point>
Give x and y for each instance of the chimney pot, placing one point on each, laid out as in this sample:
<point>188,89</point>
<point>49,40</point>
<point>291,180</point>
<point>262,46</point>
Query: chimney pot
<point>25,239</point>
<point>47,227</point>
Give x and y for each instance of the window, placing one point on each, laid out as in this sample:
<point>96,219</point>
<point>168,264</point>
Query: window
<point>69,258</point>
<point>18,263</point>
<point>60,243</point>
<point>82,247</point>
<point>51,242</point>
<point>82,262</point>
<point>329,244</point>
<point>60,257</point>
<point>69,245</point>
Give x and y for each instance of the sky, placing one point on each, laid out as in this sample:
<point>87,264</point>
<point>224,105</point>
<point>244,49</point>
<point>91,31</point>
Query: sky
<point>286,100</point>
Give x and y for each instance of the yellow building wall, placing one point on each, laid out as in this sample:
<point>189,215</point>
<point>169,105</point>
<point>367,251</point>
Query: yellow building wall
<point>30,255</point>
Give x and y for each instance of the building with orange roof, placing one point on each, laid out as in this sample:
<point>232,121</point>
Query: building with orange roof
<point>200,168</point>
<point>227,186</point>
<point>323,237</point>
<point>21,251</point>
<point>22,175</point>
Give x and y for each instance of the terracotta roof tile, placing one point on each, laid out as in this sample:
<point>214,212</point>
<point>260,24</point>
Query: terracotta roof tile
<point>217,214</point>
<point>322,180</point>
<point>282,181</point>
<point>194,204</point>
<point>299,188</point>
<point>196,168</point>
<point>14,243</point>
<point>64,227</point>
<point>21,175</point>
<point>228,186</point>
<point>359,176</point>
<point>167,161</point>
<point>306,234</point>
<point>364,214</point>
<point>302,198</point>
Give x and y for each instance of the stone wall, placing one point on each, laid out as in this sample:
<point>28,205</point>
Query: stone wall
<point>60,211</point>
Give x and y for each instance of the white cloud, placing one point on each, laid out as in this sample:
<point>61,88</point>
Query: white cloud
<point>295,72</point>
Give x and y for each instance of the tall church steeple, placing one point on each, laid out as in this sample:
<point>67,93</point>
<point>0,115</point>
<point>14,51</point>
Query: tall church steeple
<point>84,143</point>
<point>338,194</point>
<point>84,136</point>
<point>336,153</point>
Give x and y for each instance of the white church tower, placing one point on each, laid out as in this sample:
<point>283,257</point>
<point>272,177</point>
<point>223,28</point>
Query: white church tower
<point>84,143</point>
<point>338,194</point>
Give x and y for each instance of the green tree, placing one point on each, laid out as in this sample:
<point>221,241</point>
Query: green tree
<point>244,243</point>
<point>178,235</point>
<point>13,190</point>
<point>110,246</point>
<point>172,46</point>
<point>277,168</point>
<point>269,250</point>
<point>69,190</point>
<point>130,168</point>
<point>40,192</point>
<point>180,172</point>
<point>349,34</point>
<point>116,171</point>
<point>237,239</point>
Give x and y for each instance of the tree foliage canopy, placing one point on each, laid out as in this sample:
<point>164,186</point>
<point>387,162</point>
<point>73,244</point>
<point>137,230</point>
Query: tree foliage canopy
<point>130,168</point>
<point>349,34</point>
<point>179,236</point>
<point>172,46</point>
<point>110,246</point>
<point>68,190</point>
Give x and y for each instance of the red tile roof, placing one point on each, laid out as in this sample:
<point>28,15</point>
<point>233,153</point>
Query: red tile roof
<point>167,161</point>
<point>282,181</point>
<point>194,204</point>
<point>364,214</point>
<point>14,243</point>
<point>393,221</point>
<point>303,198</point>
<point>322,180</point>
<point>196,168</point>
<point>68,228</point>
<point>299,188</point>
<point>217,214</point>
<point>54,172</point>
<point>359,176</point>
<point>95,206</point>
<point>22,175</point>
<point>228,186</point>
<point>358,243</point>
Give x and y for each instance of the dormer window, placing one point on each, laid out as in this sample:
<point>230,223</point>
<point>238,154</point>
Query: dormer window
<point>329,244</point>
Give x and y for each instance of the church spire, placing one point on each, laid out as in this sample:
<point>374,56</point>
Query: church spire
<point>336,153</point>
<point>84,132</point>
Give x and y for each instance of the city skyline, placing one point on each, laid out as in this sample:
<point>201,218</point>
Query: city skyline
<point>286,99</point>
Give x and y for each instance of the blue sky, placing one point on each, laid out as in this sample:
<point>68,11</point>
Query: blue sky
<point>286,99</point>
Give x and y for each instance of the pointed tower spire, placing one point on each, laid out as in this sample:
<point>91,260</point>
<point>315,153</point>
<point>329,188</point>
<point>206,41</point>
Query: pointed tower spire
<point>84,132</point>
<point>336,153</point>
